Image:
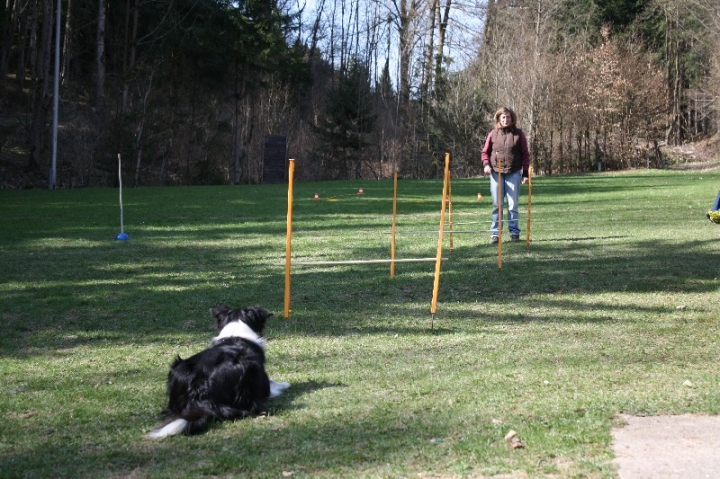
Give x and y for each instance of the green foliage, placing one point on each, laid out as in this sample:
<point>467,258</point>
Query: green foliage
<point>293,69</point>
<point>619,14</point>
<point>348,119</point>
<point>611,309</point>
<point>215,39</point>
<point>456,121</point>
<point>679,31</point>
<point>385,87</point>
<point>580,17</point>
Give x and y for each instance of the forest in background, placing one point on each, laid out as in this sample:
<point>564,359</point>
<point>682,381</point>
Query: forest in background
<point>184,91</point>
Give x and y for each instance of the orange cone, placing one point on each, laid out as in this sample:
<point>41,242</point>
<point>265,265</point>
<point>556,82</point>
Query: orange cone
<point>317,197</point>
<point>480,196</point>
<point>361,192</point>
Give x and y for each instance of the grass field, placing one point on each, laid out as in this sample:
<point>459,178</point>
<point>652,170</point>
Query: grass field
<point>613,309</point>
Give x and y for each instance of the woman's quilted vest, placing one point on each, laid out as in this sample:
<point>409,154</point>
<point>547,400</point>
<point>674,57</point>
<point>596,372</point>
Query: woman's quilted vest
<point>506,145</point>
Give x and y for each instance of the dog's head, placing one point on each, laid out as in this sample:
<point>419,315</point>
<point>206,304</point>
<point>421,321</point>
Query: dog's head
<point>255,317</point>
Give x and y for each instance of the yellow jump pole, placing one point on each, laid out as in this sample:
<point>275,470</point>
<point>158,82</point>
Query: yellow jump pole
<point>394,226</point>
<point>530,175</point>
<point>438,258</point>
<point>450,210</point>
<point>501,207</point>
<point>288,237</point>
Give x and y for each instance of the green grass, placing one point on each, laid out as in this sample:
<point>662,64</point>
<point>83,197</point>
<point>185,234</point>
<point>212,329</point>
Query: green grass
<point>613,308</point>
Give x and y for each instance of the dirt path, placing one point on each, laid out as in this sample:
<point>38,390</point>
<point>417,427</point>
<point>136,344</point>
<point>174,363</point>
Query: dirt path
<point>664,447</point>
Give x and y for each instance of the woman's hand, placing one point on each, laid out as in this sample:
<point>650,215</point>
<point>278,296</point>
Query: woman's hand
<point>487,170</point>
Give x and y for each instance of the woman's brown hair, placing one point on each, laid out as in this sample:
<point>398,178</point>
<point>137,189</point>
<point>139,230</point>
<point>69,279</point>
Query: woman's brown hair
<point>507,111</point>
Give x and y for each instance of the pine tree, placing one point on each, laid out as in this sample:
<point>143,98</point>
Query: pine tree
<point>348,120</point>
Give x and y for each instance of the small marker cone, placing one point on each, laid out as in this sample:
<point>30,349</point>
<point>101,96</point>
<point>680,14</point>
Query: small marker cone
<point>361,192</point>
<point>480,196</point>
<point>317,197</point>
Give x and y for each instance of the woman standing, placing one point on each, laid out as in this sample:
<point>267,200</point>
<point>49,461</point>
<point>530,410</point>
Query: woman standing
<point>506,145</point>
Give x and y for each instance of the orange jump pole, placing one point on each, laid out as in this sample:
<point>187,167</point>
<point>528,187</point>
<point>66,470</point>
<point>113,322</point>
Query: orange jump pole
<point>450,210</point>
<point>438,258</point>
<point>394,227</point>
<point>530,175</point>
<point>501,207</point>
<point>288,237</point>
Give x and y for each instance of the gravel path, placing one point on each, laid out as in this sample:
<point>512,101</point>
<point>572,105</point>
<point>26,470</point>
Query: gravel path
<point>664,447</point>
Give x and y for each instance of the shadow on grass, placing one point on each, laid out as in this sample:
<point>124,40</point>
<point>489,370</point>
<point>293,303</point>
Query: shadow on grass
<point>253,447</point>
<point>140,296</point>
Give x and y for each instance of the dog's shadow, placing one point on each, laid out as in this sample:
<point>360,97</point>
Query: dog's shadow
<point>288,399</point>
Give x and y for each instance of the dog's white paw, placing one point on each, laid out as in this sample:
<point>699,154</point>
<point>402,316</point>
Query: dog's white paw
<point>277,389</point>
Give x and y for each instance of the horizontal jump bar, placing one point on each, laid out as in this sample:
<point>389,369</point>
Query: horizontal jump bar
<point>400,233</point>
<point>363,261</point>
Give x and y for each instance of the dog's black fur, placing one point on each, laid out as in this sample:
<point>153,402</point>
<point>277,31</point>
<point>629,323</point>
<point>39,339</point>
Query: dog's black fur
<point>224,382</point>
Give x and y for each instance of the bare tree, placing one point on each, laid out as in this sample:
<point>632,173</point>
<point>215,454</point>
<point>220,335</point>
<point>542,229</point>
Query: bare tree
<point>41,49</point>
<point>100,56</point>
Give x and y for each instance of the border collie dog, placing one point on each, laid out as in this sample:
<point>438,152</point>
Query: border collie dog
<point>224,382</point>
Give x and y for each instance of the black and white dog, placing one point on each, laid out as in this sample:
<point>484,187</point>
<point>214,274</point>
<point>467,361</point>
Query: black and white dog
<point>224,382</point>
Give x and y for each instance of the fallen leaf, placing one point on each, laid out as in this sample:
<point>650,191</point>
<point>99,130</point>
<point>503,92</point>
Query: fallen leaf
<point>513,440</point>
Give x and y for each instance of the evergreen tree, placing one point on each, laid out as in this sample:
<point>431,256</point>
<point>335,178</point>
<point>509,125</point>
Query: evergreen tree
<point>348,120</point>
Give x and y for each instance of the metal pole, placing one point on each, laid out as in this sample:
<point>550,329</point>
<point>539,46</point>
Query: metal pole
<point>56,95</point>
<point>288,238</point>
<point>530,175</point>
<point>501,207</point>
<point>122,224</point>
<point>394,226</point>
<point>363,261</point>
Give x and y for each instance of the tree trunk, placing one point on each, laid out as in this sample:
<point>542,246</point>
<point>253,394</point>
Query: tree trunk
<point>141,128</point>
<point>23,19</point>
<point>534,74</point>
<point>429,48</point>
<point>67,44</point>
<point>405,50</point>
<point>130,49</point>
<point>239,151</point>
<point>41,100</point>
<point>674,47</point>
<point>9,35</point>
<point>315,30</point>
<point>100,57</point>
<point>442,34</point>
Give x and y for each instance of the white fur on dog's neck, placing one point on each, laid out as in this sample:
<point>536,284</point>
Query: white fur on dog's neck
<point>238,329</point>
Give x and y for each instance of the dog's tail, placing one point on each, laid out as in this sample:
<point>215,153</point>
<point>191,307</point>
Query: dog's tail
<point>168,428</point>
<point>175,425</point>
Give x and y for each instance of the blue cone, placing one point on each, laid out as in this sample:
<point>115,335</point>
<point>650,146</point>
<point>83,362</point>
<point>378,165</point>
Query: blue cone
<point>122,237</point>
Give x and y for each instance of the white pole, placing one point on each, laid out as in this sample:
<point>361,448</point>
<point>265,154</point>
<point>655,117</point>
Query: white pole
<point>56,95</point>
<point>362,261</point>
<point>121,236</point>
<point>122,228</point>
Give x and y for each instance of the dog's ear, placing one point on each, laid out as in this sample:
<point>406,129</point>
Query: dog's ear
<point>220,314</point>
<point>255,317</point>
<point>222,309</point>
<point>263,313</point>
